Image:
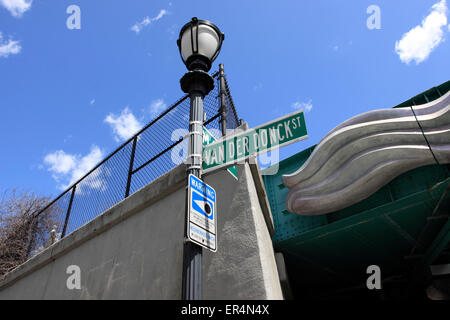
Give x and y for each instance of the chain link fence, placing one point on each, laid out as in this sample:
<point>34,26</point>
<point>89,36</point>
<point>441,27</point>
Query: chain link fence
<point>153,151</point>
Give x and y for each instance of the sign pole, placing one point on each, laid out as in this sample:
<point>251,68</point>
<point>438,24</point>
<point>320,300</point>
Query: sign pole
<point>193,253</point>
<point>197,84</point>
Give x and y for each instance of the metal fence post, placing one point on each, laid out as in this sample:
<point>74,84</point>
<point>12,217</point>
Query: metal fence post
<point>223,101</point>
<point>130,169</point>
<point>63,233</point>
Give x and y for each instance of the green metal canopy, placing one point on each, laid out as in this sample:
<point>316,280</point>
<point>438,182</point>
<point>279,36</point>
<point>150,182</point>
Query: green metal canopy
<point>403,228</point>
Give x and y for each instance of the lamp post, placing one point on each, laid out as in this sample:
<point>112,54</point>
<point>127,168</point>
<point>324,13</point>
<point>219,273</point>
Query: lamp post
<point>199,44</point>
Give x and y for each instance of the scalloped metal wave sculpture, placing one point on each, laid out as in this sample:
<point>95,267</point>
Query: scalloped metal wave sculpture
<point>364,153</point>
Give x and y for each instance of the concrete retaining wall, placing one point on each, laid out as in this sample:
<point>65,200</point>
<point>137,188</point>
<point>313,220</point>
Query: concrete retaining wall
<point>135,249</point>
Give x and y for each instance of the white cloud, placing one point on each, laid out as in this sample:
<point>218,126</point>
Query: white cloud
<point>124,125</point>
<point>69,168</point>
<point>86,163</point>
<point>138,26</point>
<point>156,107</point>
<point>161,14</point>
<point>419,42</point>
<point>59,162</point>
<point>16,7</point>
<point>8,47</point>
<point>306,106</point>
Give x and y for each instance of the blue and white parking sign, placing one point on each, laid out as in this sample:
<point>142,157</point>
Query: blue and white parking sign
<point>202,214</point>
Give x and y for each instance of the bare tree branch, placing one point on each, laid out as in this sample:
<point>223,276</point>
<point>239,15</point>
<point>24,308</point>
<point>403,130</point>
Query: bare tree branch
<point>22,230</point>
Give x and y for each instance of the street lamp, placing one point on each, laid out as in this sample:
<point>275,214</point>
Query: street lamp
<point>199,44</point>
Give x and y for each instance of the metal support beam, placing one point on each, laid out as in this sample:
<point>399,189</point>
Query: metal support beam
<point>433,217</point>
<point>69,209</point>
<point>421,274</point>
<point>439,243</point>
<point>223,101</point>
<point>130,169</point>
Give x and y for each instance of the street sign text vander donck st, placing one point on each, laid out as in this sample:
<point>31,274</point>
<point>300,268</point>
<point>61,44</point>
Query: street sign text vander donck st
<point>208,138</point>
<point>237,147</point>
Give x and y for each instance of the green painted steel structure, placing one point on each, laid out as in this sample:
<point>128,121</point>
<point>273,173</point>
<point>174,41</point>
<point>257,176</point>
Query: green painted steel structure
<point>403,228</point>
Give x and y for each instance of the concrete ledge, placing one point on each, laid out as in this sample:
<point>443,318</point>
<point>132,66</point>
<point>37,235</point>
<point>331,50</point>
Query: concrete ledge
<point>262,195</point>
<point>158,189</point>
<point>135,249</point>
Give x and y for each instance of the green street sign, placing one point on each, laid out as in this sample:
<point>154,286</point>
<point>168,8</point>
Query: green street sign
<point>239,146</point>
<point>208,138</point>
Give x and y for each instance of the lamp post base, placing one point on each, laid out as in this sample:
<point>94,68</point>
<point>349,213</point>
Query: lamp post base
<point>192,272</point>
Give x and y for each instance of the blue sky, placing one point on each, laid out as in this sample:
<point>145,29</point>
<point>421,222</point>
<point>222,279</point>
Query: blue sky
<point>70,97</point>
